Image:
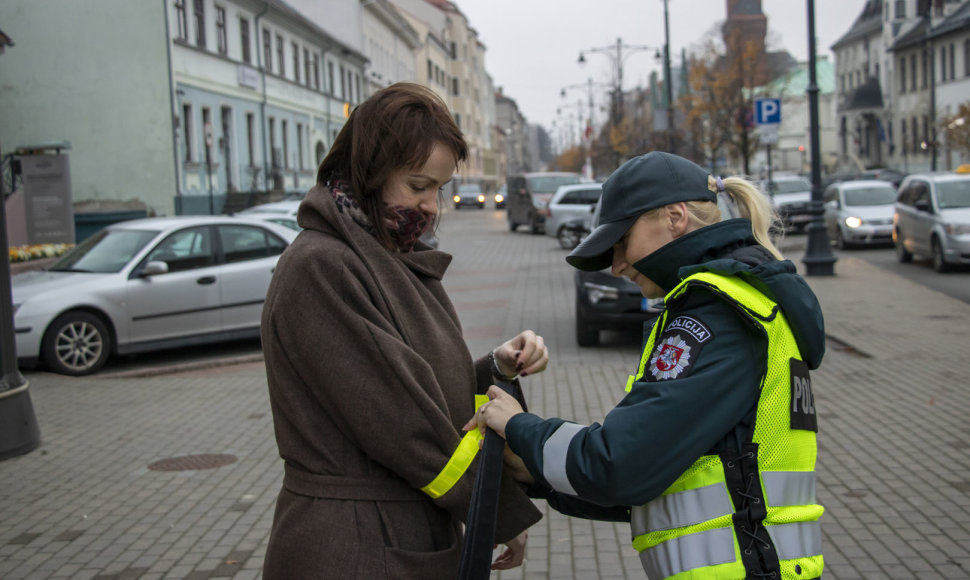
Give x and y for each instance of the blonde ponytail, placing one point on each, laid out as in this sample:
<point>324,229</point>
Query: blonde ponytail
<point>751,204</point>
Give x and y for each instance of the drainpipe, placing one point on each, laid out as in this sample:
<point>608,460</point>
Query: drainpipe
<point>262,104</point>
<point>171,101</point>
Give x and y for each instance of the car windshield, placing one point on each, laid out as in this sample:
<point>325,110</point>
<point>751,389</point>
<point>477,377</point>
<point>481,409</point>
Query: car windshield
<point>952,194</point>
<point>790,186</point>
<point>469,188</point>
<point>106,252</point>
<point>870,196</point>
<point>550,183</point>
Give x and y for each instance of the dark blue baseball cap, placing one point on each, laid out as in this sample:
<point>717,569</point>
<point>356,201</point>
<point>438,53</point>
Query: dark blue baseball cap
<point>638,186</point>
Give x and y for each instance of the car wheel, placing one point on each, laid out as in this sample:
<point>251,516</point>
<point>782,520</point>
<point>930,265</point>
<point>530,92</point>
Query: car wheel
<point>901,254</point>
<point>568,238</point>
<point>939,261</point>
<point>533,226</point>
<point>585,336</point>
<point>75,344</point>
<point>512,226</point>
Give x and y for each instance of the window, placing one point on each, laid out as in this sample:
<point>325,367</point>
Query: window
<point>912,72</point>
<point>188,249</point>
<point>187,132</point>
<point>199,21</point>
<point>306,65</point>
<point>286,145</point>
<point>299,145</point>
<point>343,83</point>
<point>914,131</point>
<point>966,58</point>
<point>942,64</point>
<point>902,75</point>
<point>316,71</point>
<point>272,141</point>
<point>900,8</point>
<point>243,243</point>
<point>953,68</point>
<point>455,86</point>
<point>206,127</point>
<point>458,120</point>
<point>251,138</point>
<point>279,56</point>
<point>925,70</point>
<point>430,76</point>
<point>267,51</point>
<point>181,23</point>
<point>247,56</point>
<point>330,78</point>
<point>296,62</point>
<point>221,30</point>
<point>902,139</point>
<point>926,129</point>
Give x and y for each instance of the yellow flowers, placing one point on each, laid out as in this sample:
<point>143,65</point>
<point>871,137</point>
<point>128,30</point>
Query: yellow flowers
<point>37,251</point>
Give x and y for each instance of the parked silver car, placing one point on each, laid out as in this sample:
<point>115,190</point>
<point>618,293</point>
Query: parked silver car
<point>859,212</point>
<point>144,285</point>
<point>570,203</point>
<point>791,196</point>
<point>933,219</point>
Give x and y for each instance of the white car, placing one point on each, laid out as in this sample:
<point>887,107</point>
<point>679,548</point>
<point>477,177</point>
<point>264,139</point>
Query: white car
<point>859,212</point>
<point>285,207</point>
<point>933,219</point>
<point>569,212</point>
<point>791,196</point>
<point>145,285</point>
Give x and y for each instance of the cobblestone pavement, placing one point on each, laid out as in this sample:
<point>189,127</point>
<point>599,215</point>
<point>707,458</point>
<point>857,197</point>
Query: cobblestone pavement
<point>894,470</point>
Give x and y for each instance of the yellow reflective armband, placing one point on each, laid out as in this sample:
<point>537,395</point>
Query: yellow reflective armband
<point>459,461</point>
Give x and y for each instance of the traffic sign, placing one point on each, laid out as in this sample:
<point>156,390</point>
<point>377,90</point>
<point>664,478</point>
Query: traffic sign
<point>768,134</point>
<point>767,111</point>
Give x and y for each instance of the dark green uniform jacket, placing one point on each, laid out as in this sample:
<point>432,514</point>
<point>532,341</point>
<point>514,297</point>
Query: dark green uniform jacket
<point>706,405</point>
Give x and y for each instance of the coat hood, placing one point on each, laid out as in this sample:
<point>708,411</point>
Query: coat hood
<point>729,248</point>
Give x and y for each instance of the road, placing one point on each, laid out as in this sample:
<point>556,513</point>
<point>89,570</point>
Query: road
<point>955,284</point>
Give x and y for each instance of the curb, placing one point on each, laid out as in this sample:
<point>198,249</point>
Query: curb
<point>183,367</point>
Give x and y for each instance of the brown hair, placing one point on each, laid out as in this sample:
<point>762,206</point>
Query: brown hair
<point>395,128</point>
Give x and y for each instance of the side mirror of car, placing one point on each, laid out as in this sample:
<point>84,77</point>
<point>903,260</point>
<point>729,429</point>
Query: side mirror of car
<point>153,269</point>
<point>923,205</point>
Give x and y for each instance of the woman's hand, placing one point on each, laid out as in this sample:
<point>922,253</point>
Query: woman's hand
<point>495,413</point>
<point>514,553</point>
<point>524,355</point>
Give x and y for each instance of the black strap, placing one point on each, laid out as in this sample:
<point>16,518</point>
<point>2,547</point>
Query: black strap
<point>476,553</point>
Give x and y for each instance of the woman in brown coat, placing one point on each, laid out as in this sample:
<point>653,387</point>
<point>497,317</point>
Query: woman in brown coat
<point>369,377</point>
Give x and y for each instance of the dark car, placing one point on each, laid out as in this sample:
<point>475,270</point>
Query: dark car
<point>529,195</point>
<point>608,302</point>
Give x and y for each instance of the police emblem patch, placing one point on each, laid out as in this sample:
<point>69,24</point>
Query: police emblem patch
<point>678,348</point>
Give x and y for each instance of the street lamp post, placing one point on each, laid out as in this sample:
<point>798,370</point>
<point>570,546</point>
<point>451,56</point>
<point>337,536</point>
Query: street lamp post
<point>668,83</point>
<point>588,131</point>
<point>617,57</point>
<point>818,259</point>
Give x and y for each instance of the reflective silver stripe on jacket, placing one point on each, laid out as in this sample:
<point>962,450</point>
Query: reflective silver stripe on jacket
<point>707,548</point>
<point>681,509</point>
<point>786,488</point>
<point>713,547</point>
<point>797,540</point>
<point>554,457</point>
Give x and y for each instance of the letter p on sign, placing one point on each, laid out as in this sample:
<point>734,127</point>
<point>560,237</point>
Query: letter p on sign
<point>768,111</point>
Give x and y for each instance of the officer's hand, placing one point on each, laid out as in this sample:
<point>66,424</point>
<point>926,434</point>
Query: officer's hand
<point>495,413</point>
<point>524,355</point>
<point>514,553</point>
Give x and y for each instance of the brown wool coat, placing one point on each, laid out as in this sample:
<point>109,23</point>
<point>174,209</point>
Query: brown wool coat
<point>370,382</point>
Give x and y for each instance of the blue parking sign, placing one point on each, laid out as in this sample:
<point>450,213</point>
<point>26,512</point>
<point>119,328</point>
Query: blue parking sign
<point>767,111</point>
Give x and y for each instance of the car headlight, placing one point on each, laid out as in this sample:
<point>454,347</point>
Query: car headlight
<point>598,292</point>
<point>481,199</point>
<point>853,222</point>
<point>499,197</point>
<point>457,198</point>
<point>957,229</point>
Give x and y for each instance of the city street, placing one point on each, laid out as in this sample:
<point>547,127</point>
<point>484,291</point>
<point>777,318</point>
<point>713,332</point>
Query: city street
<point>173,473</point>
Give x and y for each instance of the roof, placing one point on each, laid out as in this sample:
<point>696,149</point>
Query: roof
<point>284,8</point>
<point>868,22</point>
<point>795,82</point>
<point>913,36</point>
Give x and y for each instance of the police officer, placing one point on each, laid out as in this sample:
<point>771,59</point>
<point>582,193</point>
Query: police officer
<point>711,454</point>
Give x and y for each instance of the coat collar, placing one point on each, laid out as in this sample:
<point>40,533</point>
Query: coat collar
<point>319,212</point>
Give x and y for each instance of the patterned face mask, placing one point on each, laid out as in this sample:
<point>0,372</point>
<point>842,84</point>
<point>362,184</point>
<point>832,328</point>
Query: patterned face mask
<point>406,225</point>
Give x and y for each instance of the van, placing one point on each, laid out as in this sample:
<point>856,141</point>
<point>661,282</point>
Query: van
<point>529,195</point>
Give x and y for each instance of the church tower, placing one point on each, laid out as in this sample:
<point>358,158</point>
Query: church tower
<point>745,19</point>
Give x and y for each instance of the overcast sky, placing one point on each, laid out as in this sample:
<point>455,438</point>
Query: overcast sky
<point>533,45</point>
